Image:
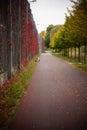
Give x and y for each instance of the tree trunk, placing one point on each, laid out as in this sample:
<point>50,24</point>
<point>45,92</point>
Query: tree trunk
<point>71,53</point>
<point>68,52</point>
<point>85,53</point>
<point>79,58</point>
<point>75,53</point>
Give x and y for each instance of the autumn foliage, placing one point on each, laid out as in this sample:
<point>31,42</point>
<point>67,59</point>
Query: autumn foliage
<point>72,37</point>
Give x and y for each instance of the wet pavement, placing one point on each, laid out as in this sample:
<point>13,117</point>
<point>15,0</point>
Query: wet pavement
<point>56,98</point>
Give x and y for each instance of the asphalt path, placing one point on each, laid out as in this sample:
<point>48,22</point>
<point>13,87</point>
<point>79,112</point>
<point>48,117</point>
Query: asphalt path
<point>56,98</point>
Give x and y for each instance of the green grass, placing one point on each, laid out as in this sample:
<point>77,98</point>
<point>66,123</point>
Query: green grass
<point>11,96</point>
<point>75,61</point>
<point>61,56</point>
<point>82,66</point>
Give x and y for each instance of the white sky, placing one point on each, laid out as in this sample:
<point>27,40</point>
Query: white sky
<point>46,12</point>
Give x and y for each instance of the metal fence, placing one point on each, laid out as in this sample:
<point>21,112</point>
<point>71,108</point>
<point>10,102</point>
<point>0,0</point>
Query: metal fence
<point>18,37</point>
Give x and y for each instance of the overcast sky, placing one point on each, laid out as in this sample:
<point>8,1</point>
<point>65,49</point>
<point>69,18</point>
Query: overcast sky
<point>46,12</point>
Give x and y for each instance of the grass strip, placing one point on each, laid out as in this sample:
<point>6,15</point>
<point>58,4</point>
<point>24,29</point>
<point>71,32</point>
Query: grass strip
<point>10,97</point>
<point>81,66</point>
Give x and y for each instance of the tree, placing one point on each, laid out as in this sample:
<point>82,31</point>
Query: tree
<point>47,36</point>
<point>80,24</point>
<point>53,34</point>
<point>43,33</point>
<point>54,30</point>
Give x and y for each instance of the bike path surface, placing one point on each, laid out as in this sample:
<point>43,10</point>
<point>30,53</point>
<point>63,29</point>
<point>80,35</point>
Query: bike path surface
<point>56,98</point>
